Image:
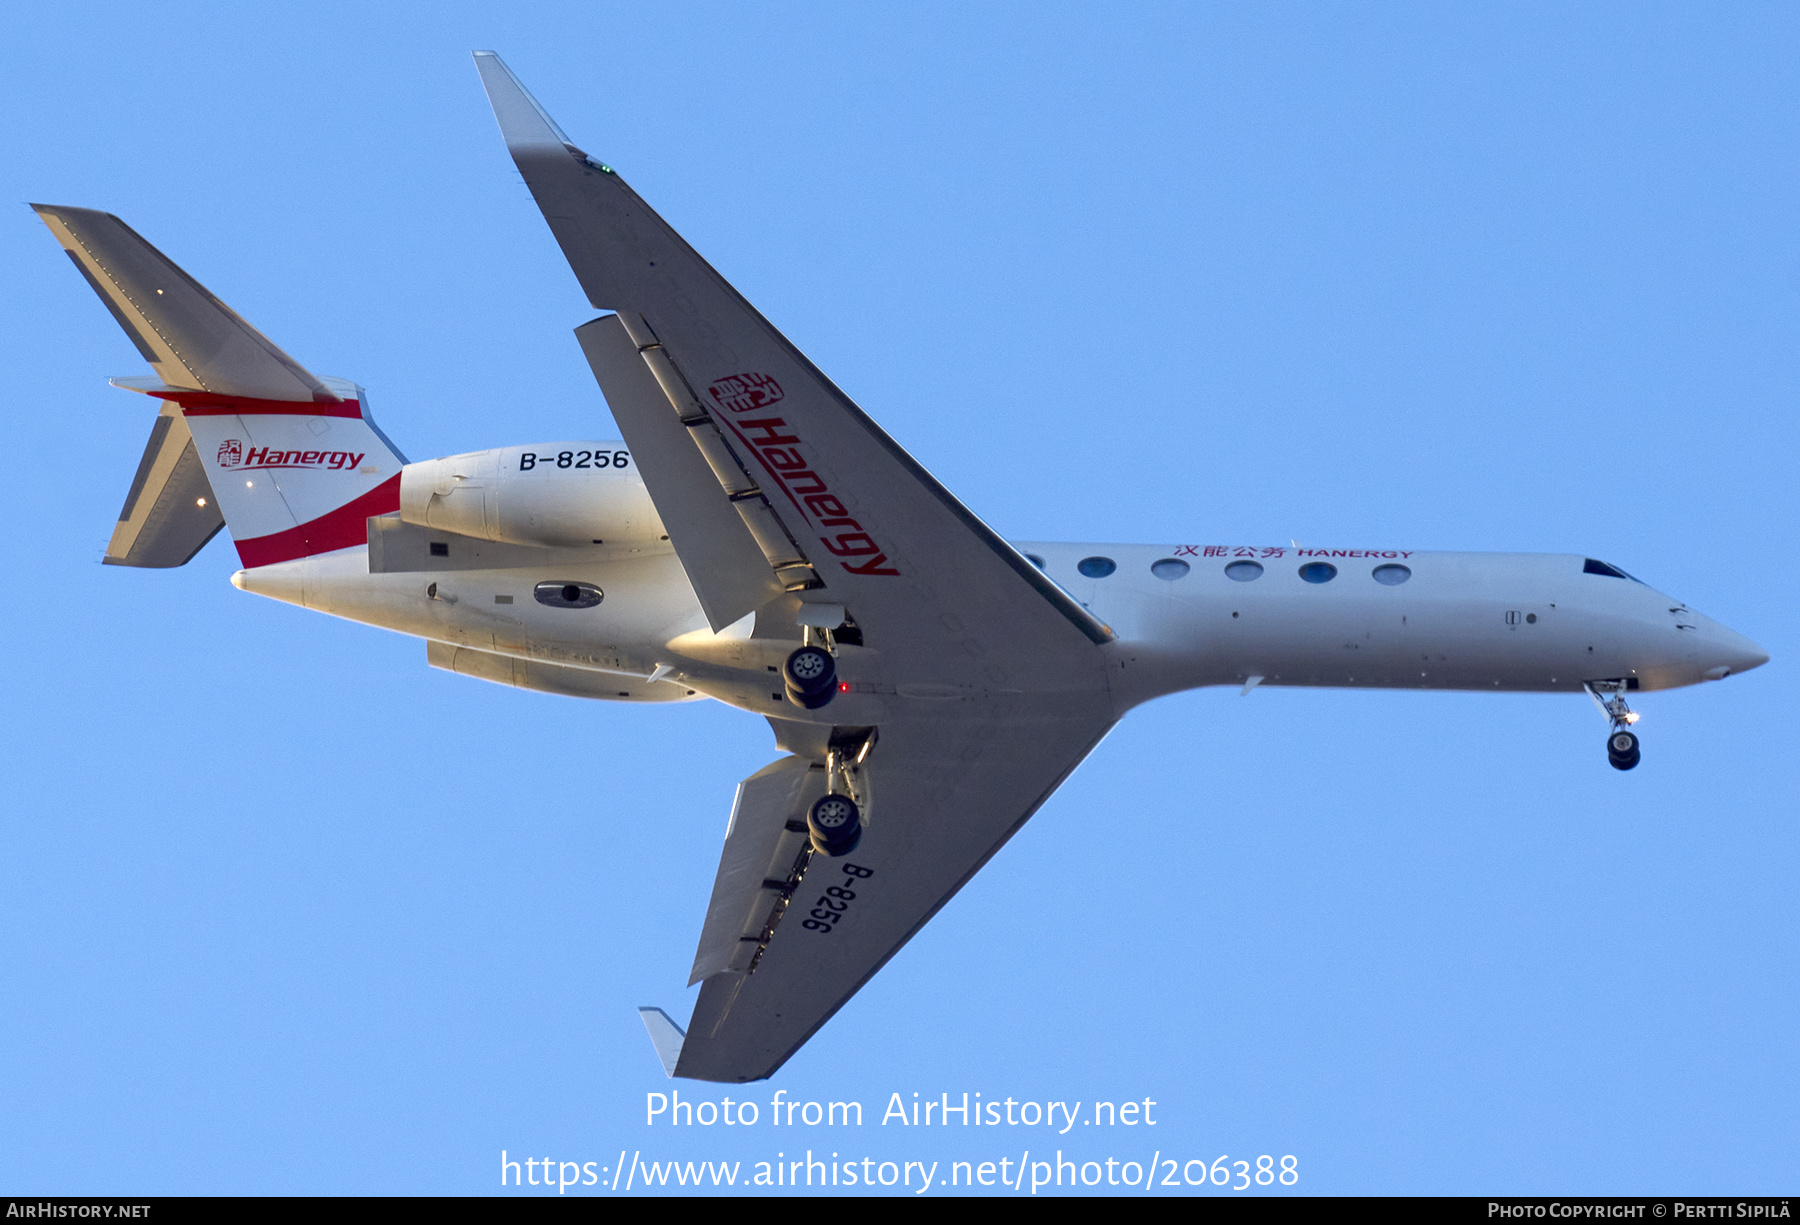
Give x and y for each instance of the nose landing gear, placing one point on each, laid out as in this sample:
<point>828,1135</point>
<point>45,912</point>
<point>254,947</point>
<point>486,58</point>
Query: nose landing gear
<point>1621,742</point>
<point>1622,750</point>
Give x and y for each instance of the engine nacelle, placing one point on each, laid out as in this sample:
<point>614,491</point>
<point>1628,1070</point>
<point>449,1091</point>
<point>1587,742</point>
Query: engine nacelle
<point>559,494</point>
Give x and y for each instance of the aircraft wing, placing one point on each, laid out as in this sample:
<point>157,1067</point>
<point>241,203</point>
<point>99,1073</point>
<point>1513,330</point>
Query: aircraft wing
<point>880,533</point>
<point>787,941</point>
<point>985,681</point>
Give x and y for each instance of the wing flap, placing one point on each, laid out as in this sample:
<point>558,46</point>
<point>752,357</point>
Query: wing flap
<point>726,567</point>
<point>763,856</point>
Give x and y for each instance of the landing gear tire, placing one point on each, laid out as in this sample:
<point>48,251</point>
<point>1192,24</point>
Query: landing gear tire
<point>1622,750</point>
<point>835,825</point>
<point>811,677</point>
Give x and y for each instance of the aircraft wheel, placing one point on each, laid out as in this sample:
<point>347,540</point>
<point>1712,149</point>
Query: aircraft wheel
<point>810,676</point>
<point>810,670</point>
<point>1622,750</point>
<point>835,825</point>
<point>811,701</point>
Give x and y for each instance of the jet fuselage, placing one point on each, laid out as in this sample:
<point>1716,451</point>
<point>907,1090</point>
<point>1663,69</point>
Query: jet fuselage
<point>1186,616</point>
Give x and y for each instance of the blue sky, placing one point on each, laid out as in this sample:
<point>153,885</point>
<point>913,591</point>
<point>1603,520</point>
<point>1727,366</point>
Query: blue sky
<point>284,910</point>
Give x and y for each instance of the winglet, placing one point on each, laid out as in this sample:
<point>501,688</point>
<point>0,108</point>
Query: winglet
<point>526,125</point>
<point>665,1036</point>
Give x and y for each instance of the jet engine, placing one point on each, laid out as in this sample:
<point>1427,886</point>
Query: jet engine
<point>558,494</point>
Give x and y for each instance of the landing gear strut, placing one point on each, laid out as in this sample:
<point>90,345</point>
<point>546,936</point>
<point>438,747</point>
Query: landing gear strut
<point>1621,742</point>
<point>835,822</point>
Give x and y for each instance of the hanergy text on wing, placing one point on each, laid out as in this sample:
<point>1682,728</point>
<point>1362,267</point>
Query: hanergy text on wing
<point>774,449</point>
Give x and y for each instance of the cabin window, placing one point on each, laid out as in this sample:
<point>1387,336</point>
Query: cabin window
<point>1244,571</point>
<point>1035,560</point>
<point>567,595</point>
<point>1391,575</point>
<point>1318,572</point>
<point>1169,569</point>
<point>440,549</point>
<point>1097,567</point>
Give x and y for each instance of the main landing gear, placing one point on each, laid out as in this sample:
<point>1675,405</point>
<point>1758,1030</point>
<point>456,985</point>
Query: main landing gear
<point>810,672</point>
<point>835,825</point>
<point>836,820</point>
<point>1621,742</point>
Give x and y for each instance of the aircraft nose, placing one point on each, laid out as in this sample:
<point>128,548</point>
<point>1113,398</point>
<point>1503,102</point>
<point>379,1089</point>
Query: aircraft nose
<point>1732,652</point>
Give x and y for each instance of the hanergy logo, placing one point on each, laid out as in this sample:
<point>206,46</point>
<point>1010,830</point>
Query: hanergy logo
<point>232,455</point>
<point>742,392</point>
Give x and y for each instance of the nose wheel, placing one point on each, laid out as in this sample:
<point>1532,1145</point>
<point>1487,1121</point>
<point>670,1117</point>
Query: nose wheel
<point>1621,742</point>
<point>1622,750</point>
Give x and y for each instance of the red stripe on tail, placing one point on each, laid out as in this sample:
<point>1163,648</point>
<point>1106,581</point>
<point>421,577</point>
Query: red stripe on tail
<point>339,529</point>
<point>211,404</point>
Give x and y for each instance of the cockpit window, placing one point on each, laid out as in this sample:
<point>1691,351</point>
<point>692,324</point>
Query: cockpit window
<point>1600,567</point>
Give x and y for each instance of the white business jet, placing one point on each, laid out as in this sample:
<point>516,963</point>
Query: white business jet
<point>757,539</point>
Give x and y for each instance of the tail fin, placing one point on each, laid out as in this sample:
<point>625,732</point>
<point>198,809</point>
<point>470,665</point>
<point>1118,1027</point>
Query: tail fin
<point>296,462</point>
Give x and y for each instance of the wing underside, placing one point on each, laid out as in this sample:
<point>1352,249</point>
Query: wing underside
<point>804,932</point>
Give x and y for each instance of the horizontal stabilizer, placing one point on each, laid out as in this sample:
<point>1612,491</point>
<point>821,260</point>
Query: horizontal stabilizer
<point>170,511</point>
<point>665,1036</point>
<point>191,338</point>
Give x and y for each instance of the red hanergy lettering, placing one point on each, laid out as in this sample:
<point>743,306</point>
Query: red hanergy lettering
<point>742,392</point>
<point>233,455</point>
<point>773,446</point>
